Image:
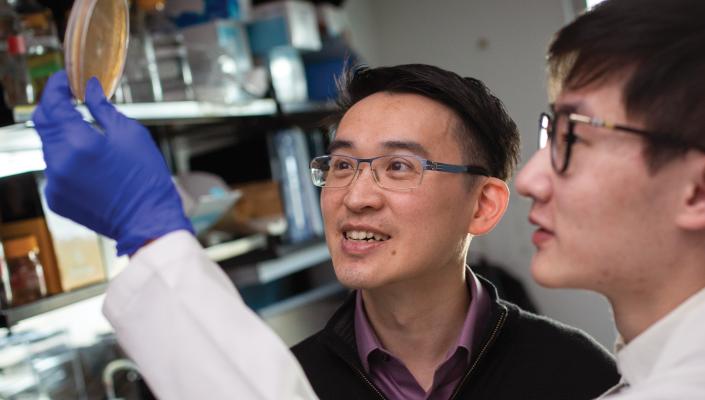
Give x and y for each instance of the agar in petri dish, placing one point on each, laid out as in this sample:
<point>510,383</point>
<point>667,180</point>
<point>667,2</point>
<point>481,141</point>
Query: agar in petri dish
<point>96,42</point>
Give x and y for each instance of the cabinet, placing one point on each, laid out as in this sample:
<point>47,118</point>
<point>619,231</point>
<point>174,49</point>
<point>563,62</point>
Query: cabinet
<point>273,277</point>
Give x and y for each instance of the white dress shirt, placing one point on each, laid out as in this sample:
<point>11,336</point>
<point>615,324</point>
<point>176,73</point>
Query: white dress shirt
<point>667,361</point>
<point>179,317</point>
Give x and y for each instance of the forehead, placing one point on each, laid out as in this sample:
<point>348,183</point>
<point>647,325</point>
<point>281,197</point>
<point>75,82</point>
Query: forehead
<point>604,100</point>
<point>384,118</point>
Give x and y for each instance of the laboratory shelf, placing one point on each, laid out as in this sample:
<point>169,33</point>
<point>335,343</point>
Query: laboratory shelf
<point>227,250</point>
<point>20,150</point>
<point>18,138</point>
<point>177,111</point>
<point>11,316</point>
<point>300,300</point>
<point>269,270</point>
<point>307,107</point>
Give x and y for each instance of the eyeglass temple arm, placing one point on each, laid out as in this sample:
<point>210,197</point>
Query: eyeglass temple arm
<point>470,169</point>
<point>659,137</point>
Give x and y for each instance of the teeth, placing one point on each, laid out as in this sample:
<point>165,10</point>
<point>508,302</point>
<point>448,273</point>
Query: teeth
<point>365,235</point>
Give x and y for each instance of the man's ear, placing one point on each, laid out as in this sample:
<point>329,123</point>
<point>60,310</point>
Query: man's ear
<point>692,214</point>
<point>490,206</point>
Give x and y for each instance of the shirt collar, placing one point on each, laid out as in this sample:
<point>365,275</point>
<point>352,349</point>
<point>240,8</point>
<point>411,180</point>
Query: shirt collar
<point>636,360</point>
<point>367,341</point>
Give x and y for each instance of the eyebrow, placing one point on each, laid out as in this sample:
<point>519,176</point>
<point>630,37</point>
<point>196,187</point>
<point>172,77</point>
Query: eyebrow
<point>339,144</point>
<point>413,147</point>
<point>569,108</point>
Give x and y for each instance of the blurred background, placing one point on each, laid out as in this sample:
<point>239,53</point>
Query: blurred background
<point>236,95</point>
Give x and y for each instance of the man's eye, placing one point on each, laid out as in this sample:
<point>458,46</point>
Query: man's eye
<point>400,165</point>
<point>342,165</point>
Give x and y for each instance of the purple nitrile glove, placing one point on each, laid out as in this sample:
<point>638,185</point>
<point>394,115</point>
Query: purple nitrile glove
<point>113,181</point>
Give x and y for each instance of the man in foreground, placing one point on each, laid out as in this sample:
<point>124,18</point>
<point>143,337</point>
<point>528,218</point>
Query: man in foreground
<point>417,168</point>
<point>618,187</point>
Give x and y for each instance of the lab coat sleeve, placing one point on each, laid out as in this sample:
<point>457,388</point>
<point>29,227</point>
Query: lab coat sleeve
<point>180,318</point>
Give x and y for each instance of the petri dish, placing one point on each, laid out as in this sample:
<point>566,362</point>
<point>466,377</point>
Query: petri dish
<point>95,44</point>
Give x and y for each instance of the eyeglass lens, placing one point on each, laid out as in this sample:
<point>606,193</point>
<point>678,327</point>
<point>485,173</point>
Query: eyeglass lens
<point>393,172</point>
<point>556,130</point>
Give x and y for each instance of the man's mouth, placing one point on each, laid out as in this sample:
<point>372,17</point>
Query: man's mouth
<point>365,236</point>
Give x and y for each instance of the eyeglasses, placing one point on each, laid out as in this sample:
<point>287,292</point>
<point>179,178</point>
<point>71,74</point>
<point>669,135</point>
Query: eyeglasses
<point>558,129</point>
<point>397,172</point>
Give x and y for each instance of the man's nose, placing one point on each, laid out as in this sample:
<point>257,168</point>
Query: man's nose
<point>364,192</point>
<point>534,179</point>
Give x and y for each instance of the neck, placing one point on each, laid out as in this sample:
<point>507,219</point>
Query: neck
<point>637,309</point>
<point>420,321</point>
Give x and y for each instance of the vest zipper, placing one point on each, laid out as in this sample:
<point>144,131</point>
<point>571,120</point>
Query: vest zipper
<point>482,352</point>
<point>364,378</point>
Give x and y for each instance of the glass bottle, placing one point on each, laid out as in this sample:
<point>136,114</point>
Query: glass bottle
<point>26,274</point>
<point>44,55</point>
<point>14,74</point>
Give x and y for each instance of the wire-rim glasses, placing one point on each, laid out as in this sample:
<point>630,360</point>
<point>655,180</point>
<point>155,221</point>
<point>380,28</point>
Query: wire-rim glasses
<point>396,172</point>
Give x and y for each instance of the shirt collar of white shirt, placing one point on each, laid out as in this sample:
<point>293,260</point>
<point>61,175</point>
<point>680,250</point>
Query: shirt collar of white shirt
<point>636,360</point>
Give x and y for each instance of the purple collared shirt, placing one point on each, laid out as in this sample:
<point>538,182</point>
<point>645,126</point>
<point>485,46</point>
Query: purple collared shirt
<point>392,377</point>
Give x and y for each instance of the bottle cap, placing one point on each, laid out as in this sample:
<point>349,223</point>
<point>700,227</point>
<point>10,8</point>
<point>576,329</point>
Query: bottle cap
<point>15,45</point>
<point>20,246</point>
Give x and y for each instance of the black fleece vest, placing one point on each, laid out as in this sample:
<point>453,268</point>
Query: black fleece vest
<point>521,356</point>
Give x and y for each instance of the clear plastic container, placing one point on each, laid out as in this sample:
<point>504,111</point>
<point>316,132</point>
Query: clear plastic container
<point>96,44</point>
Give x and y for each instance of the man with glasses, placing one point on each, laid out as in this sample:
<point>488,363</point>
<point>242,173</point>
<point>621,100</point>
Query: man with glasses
<point>417,167</point>
<point>618,186</point>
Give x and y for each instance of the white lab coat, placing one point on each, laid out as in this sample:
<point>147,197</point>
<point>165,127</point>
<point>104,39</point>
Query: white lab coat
<point>179,317</point>
<point>667,361</point>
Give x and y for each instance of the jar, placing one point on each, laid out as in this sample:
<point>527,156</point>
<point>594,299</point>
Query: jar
<point>27,282</point>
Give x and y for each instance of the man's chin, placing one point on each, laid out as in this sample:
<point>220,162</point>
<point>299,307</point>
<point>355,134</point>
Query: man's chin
<point>547,274</point>
<point>354,279</point>
<point>557,275</point>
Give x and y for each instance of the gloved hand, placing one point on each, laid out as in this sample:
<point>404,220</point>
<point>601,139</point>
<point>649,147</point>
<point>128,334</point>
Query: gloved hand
<point>113,181</point>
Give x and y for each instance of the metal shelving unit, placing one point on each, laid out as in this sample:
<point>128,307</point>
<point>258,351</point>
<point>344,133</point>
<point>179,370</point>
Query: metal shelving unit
<point>12,316</point>
<point>21,151</point>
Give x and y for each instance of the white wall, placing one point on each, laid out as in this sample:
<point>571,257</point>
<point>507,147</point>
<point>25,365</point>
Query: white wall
<point>503,43</point>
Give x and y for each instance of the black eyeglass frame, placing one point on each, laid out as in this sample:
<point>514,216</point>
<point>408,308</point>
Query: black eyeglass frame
<point>427,165</point>
<point>547,133</point>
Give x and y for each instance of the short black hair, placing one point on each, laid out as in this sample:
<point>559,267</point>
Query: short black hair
<point>657,47</point>
<point>488,136</point>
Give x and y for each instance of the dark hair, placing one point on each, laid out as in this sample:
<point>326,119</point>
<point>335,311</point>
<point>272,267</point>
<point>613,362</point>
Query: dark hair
<point>487,135</point>
<point>658,48</point>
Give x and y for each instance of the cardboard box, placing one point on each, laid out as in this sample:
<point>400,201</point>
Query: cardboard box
<point>259,210</point>
<point>79,257</point>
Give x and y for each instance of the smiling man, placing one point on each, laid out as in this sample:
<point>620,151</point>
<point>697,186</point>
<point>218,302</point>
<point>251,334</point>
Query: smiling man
<point>417,167</point>
<point>618,188</point>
